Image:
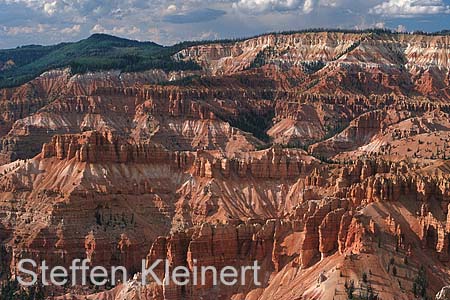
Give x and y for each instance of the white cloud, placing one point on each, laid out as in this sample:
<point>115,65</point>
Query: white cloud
<point>380,25</point>
<point>98,29</point>
<point>407,8</point>
<point>133,30</point>
<point>18,30</point>
<point>308,6</point>
<point>330,3</point>
<point>208,35</point>
<point>261,6</point>
<point>171,8</point>
<point>401,28</point>
<point>75,29</point>
<point>116,30</point>
<point>50,7</point>
<point>81,7</point>
<point>15,30</point>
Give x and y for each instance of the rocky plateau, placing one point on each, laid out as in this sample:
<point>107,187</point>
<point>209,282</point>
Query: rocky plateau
<point>324,156</point>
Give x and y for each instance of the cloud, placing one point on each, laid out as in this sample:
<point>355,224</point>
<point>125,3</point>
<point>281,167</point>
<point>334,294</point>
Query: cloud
<point>116,30</point>
<point>263,6</point>
<point>401,28</point>
<point>408,8</point>
<point>98,29</point>
<point>379,25</point>
<point>81,7</point>
<point>330,3</point>
<point>50,7</point>
<point>171,21</point>
<point>17,30</point>
<point>72,30</point>
<point>194,16</point>
<point>171,8</point>
<point>207,35</point>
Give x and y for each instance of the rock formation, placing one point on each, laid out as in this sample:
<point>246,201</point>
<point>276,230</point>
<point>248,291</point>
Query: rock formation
<point>322,156</point>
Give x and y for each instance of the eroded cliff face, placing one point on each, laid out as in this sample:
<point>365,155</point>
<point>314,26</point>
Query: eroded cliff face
<point>83,113</point>
<point>354,132</point>
<point>379,62</point>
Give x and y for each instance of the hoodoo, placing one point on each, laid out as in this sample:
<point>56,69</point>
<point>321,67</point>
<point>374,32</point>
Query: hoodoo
<point>320,156</point>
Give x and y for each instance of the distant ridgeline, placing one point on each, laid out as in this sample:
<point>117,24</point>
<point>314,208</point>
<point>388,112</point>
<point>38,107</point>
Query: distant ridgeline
<point>96,53</point>
<point>105,52</point>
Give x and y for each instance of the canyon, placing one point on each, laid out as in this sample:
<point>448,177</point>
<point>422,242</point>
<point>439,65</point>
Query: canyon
<point>321,155</point>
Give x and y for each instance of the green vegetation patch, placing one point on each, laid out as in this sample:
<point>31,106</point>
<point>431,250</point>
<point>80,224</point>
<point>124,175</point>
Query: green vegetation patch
<point>98,52</point>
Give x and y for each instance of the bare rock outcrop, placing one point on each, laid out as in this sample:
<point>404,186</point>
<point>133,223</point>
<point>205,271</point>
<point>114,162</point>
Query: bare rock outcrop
<point>444,294</point>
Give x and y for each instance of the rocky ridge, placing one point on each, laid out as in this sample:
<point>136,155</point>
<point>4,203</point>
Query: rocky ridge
<point>320,155</point>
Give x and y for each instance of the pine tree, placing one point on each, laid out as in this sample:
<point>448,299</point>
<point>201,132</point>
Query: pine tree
<point>349,288</point>
<point>420,283</point>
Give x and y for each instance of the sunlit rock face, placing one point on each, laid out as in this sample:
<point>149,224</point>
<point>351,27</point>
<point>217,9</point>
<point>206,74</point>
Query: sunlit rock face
<point>322,156</point>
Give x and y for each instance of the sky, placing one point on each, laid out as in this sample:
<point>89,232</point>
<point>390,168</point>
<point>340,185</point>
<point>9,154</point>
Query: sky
<point>24,22</point>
